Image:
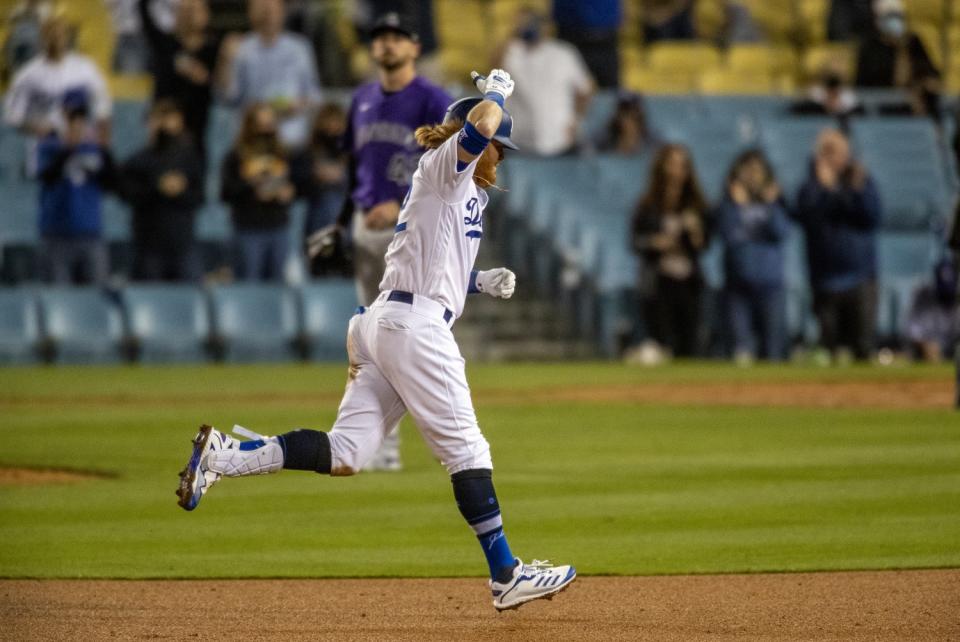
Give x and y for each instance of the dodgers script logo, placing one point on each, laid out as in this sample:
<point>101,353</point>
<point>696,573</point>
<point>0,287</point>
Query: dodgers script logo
<point>474,218</point>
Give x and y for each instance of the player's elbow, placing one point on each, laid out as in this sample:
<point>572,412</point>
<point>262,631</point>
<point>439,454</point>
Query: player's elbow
<point>485,118</point>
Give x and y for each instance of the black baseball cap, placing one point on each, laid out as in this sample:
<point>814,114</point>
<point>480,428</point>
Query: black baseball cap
<point>396,23</point>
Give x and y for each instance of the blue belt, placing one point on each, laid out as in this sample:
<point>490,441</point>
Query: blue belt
<point>407,297</point>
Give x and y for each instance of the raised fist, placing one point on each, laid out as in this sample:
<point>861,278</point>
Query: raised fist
<point>498,282</point>
<point>497,81</point>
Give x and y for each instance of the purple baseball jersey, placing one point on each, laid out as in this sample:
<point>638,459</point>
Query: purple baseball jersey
<point>380,137</point>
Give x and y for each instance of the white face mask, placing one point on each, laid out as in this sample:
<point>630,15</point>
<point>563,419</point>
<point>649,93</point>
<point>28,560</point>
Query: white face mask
<point>893,25</point>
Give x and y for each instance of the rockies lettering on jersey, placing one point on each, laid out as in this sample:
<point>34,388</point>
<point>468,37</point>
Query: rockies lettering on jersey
<point>439,230</point>
<point>380,135</point>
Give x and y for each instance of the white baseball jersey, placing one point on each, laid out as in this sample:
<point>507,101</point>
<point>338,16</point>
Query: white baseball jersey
<point>38,89</point>
<point>439,230</point>
<point>403,356</point>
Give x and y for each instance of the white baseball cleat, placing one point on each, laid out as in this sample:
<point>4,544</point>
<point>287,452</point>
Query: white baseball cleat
<point>531,582</point>
<point>196,479</point>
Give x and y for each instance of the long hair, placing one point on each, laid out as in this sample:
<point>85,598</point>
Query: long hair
<point>247,141</point>
<point>691,196</point>
<point>432,136</point>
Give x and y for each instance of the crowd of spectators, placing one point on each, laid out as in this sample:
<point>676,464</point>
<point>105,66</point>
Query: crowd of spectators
<point>289,149</point>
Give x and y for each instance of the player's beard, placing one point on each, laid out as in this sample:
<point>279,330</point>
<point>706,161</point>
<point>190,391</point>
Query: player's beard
<point>485,174</point>
<point>391,62</point>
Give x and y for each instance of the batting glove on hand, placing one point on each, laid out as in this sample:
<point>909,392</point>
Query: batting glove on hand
<point>496,82</point>
<point>498,283</point>
<point>323,242</point>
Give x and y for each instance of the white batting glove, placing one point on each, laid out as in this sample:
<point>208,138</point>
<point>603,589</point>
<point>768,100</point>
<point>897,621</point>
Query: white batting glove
<point>498,282</point>
<point>497,81</point>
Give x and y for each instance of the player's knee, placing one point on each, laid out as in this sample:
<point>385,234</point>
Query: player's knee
<point>477,457</point>
<point>346,457</point>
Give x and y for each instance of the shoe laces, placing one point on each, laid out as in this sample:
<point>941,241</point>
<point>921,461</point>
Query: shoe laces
<point>249,434</point>
<point>538,565</point>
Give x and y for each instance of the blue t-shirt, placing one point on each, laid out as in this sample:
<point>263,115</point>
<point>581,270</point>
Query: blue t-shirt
<point>71,193</point>
<point>597,15</point>
<point>380,132</point>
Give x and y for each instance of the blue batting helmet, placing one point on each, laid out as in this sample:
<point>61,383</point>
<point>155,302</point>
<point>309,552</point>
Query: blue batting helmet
<point>459,110</point>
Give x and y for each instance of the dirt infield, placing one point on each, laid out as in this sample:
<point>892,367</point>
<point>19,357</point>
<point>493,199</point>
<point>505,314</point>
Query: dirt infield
<point>898,394</point>
<point>16,476</point>
<point>890,605</point>
<point>914,395</point>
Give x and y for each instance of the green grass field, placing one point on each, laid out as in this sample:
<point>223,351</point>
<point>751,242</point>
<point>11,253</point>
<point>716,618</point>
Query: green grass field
<point>616,487</point>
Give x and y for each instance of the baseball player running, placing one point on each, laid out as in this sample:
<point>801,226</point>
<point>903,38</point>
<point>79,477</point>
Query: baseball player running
<point>383,154</point>
<point>403,357</point>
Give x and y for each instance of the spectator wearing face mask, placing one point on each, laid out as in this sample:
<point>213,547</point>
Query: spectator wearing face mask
<point>894,56</point>
<point>164,184</point>
<point>256,182</point>
<point>933,326</point>
<point>554,87</point>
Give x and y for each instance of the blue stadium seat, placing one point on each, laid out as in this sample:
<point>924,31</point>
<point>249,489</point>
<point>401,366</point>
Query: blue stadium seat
<point>129,128</point>
<point>601,110</point>
<point>714,145</point>
<point>736,108</point>
<point>788,143</point>
<point>83,324</point>
<point>327,306</point>
<point>906,160</point>
<point>905,261</point>
<point>12,155</point>
<point>18,212</point>
<point>255,322</point>
<point>666,112</point>
<point>116,219</point>
<point>167,322</point>
<point>19,326</point>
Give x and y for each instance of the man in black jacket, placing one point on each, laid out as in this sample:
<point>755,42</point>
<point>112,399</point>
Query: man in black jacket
<point>164,184</point>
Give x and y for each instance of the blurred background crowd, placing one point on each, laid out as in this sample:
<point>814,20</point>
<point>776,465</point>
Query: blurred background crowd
<point>750,179</point>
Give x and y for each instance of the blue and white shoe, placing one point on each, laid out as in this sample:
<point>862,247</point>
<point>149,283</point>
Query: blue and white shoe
<point>196,479</point>
<point>531,582</point>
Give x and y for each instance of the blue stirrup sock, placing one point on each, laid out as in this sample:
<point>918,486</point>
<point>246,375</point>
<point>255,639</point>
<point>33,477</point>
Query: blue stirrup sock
<point>477,501</point>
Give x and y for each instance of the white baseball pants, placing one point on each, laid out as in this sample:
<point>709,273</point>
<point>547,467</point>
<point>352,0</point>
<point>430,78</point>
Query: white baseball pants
<point>403,358</point>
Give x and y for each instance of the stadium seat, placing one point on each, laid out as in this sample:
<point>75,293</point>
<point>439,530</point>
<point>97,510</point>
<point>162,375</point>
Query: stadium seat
<point>327,306</point>
<point>813,20</point>
<point>843,55</point>
<point>731,81</point>
<point>761,58</point>
<point>659,81</point>
<point>255,322</point>
<point>788,143</point>
<point>930,11</point>
<point>906,161</point>
<point>905,261</point>
<point>129,128</point>
<point>682,57</point>
<point>599,113</point>
<point>755,107</point>
<point>18,213</point>
<point>81,324</point>
<point>167,322</point>
<point>19,326</point>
